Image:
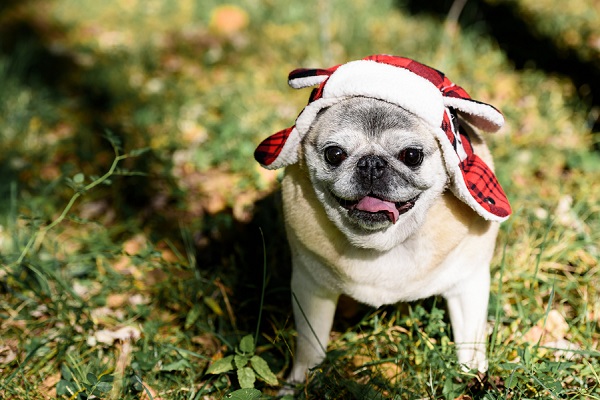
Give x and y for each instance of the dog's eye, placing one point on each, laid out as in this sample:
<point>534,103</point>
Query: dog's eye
<point>335,155</point>
<point>411,156</point>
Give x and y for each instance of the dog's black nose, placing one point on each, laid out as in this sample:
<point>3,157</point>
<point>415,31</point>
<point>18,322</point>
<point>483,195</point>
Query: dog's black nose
<point>371,167</point>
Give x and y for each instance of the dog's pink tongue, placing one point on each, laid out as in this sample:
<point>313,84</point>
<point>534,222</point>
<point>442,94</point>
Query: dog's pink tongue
<point>373,204</point>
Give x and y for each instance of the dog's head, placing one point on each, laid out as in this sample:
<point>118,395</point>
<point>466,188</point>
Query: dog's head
<point>374,166</point>
<point>381,139</point>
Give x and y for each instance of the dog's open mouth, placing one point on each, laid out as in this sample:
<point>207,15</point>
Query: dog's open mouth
<point>377,208</point>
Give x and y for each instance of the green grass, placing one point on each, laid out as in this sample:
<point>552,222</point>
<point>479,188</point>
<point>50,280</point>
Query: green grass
<point>130,283</point>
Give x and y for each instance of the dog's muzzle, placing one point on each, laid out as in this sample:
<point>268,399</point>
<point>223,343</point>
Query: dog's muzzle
<point>374,208</point>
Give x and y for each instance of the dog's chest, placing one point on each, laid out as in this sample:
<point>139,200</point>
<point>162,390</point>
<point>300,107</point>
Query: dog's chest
<point>410,271</point>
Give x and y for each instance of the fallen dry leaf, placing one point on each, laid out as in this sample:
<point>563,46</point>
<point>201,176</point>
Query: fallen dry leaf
<point>153,394</point>
<point>151,278</point>
<point>102,314</point>
<point>534,335</point>
<point>49,385</point>
<point>124,265</point>
<point>138,299</point>
<point>40,311</point>
<point>135,245</point>
<point>169,256</point>
<point>390,370</point>
<point>18,324</point>
<point>556,325</point>
<point>116,300</point>
<point>566,216</point>
<point>209,343</point>
<point>553,328</point>
<point>81,290</point>
<point>360,360</point>
<point>108,337</point>
<point>7,354</point>
<point>564,349</point>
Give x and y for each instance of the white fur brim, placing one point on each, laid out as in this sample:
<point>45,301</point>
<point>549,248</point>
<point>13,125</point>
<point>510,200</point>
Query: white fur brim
<point>299,83</point>
<point>388,83</point>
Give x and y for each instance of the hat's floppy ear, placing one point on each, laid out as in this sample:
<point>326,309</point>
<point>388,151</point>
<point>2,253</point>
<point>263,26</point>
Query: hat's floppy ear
<point>480,115</point>
<point>304,77</point>
<point>280,149</point>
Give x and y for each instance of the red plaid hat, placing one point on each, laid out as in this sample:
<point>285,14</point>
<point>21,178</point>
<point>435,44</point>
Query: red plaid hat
<point>419,89</point>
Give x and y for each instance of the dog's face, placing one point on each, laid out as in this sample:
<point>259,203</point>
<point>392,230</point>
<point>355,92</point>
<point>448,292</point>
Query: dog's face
<point>376,169</point>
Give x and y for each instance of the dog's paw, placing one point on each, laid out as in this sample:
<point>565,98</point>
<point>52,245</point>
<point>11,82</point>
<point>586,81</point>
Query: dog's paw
<point>288,391</point>
<point>477,361</point>
<point>291,387</point>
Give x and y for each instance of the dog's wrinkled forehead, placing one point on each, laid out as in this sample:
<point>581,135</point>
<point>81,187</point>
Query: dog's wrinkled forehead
<point>366,115</point>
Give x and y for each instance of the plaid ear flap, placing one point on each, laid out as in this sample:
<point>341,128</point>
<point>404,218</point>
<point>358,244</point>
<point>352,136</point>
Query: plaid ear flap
<point>472,180</point>
<point>279,149</point>
<point>484,188</point>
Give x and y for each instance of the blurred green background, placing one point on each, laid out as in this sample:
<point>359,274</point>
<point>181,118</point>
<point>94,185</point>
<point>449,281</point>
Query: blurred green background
<point>171,244</point>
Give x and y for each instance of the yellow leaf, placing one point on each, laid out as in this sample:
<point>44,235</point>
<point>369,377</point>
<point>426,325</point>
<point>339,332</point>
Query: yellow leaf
<point>228,20</point>
<point>213,305</point>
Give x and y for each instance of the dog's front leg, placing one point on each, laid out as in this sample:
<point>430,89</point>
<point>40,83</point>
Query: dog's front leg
<point>468,304</point>
<point>314,309</point>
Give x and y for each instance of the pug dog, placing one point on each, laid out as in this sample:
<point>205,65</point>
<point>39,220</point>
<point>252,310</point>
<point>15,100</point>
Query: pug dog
<point>388,195</point>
